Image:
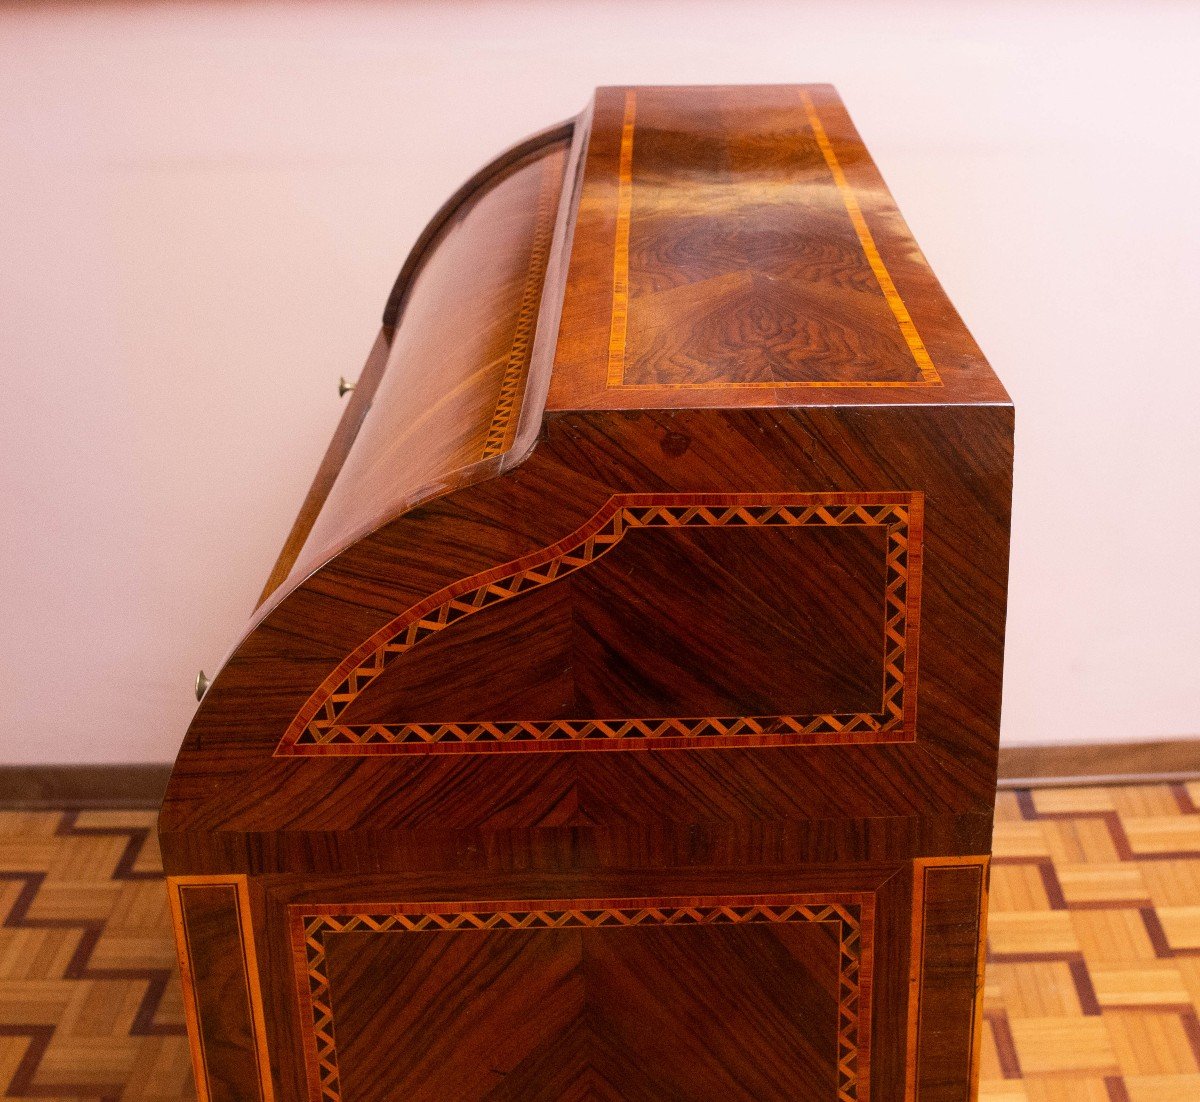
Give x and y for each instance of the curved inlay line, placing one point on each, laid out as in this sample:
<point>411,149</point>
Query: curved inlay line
<point>317,729</point>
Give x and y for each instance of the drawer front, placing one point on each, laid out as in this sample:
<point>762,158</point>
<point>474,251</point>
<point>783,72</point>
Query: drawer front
<point>860,984</point>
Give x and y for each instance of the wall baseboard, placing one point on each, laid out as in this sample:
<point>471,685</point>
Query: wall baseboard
<point>136,785</point>
<point>1166,761</point>
<point>142,785</point>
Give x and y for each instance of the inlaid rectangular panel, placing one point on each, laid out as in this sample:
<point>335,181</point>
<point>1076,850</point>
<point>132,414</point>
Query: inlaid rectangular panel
<point>744,244</point>
<point>222,1004</point>
<point>736,240</point>
<point>763,998</point>
<point>946,985</point>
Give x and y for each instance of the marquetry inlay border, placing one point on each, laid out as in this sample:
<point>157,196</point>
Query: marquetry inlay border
<point>854,913</point>
<point>504,418</point>
<point>316,730</point>
<point>177,890</point>
<point>619,322</point>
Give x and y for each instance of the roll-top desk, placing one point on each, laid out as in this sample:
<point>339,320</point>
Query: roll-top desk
<point>620,718</point>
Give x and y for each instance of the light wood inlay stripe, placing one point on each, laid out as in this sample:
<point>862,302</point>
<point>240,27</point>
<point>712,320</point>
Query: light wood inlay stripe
<point>895,303</point>
<point>620,307</point>
<point>177,887</point>
<point>508,401</point>
<point>922,867</point>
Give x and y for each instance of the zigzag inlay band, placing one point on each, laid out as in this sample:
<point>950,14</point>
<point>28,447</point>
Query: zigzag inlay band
<point>316,730</point>
<point>503,424</point>
<point>310,925</point>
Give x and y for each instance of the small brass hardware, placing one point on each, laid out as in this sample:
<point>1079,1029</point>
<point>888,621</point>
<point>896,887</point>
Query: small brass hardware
<point>344,387</point>
<point>202,684</point>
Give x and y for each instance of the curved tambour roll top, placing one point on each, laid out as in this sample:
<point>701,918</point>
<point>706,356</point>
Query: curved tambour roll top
<point>666,412</point>
<point>442,395</point>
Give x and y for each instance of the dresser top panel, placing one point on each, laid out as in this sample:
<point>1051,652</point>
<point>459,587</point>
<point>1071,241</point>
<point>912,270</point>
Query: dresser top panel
<point>736,246</point>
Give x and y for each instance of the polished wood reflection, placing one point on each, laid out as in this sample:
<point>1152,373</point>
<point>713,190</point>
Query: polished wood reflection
<point>621,717</point>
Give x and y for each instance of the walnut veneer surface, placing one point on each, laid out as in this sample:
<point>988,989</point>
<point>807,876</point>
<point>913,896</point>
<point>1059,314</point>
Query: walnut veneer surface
<point>620,718</point>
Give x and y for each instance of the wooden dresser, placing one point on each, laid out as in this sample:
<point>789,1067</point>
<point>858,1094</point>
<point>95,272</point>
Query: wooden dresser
<point>620,719</point>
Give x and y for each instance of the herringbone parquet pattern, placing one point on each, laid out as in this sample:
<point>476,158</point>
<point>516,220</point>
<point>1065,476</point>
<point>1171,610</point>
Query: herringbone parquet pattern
<point>1093,984</point>
<point>90,1004</point>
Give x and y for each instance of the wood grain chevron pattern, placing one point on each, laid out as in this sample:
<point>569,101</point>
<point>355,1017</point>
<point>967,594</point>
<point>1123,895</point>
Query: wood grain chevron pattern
<point>317,730</point>
<point>90,1005</point>
<point>851,914</point>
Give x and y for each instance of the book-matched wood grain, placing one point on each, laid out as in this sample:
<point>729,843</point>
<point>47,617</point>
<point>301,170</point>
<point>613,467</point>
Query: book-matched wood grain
<point>662,582</point>
<point>682,578</point>
<point>736,246</point>
<point>944,773</point>
<point>588,992</point>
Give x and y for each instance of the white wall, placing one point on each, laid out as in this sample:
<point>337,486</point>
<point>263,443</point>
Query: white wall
<point>202,209</point>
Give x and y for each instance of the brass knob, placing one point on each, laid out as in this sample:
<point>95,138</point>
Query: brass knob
<point>344,387</point>
<point>202,684</point>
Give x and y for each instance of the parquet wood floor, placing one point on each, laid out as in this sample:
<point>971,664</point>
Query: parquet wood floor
<point>1093,982</point>
<point>90,1006</point>
<point>1093,977</point>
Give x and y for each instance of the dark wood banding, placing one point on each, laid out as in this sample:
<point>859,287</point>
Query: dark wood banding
<point>559,134</point>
